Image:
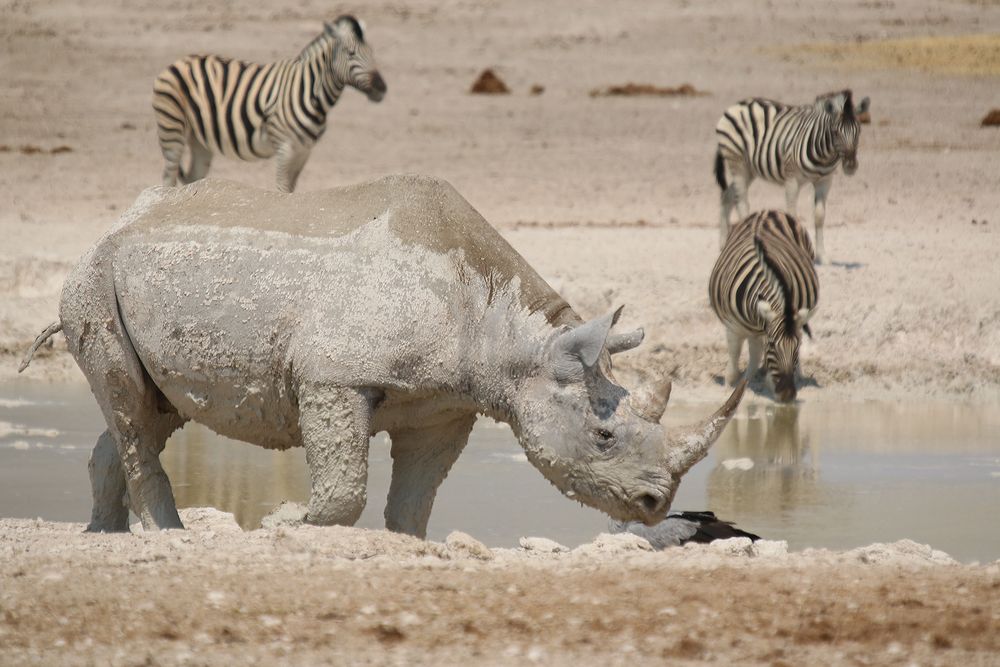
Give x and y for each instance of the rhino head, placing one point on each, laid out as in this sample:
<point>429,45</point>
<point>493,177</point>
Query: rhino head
<point>596,441</point>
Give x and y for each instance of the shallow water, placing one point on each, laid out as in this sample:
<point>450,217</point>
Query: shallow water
<point>817,475</point>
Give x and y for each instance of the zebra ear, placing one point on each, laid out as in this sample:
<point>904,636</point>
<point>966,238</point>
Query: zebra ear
<point>829,107</point>
<point>765,311</point>
<point>804,315</point>
<point>863,107</point>
<point>328,27</point>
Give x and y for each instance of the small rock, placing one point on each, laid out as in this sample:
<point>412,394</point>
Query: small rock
<point>734,546</point>
<point>738,464</point>
<point>463,544</point>
<point>618,542</point>
<point>286,514</point>
<point>202,519</point>
<point>541,545</point>
<point>770,548</point>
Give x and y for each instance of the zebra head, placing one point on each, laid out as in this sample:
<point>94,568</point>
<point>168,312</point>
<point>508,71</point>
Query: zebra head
<point>844,126</point>
<point>781,354</point>
<point>354,62</point>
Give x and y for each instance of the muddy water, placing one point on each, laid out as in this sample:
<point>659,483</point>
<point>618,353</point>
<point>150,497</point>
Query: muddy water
<point>817,475</point>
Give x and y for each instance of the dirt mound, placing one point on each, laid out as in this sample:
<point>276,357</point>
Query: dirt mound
<point>992,119</point>
<point>489,83</point>
<point>646,89</point>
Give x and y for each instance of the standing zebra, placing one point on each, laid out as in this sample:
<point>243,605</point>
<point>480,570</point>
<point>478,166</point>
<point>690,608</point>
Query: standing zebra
<point>250,111</point>
<point>764,288</point>
<point>786,145</point>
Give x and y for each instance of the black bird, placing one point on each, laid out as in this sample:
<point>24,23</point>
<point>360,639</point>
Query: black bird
<point>679,528</point>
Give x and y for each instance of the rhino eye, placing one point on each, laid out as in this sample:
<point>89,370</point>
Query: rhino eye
<point>605,439</point>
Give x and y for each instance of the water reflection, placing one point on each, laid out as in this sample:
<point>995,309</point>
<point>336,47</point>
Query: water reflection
<point>765,464</point>
<point>207,470</point>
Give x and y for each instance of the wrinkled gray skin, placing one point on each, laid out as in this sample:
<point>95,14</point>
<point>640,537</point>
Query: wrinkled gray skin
<point>317,320</point>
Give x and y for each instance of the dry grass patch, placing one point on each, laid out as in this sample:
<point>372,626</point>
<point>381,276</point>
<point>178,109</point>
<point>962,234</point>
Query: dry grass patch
<point>977,55</point>
<point>646,89</point>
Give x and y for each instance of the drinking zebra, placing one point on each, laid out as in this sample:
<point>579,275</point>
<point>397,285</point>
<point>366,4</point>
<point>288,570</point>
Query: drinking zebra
<point>764,288</point>
<point>250,111</point>
<point>788,145</point>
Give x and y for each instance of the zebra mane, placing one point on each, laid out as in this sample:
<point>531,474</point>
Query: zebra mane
<point>355,24</point>
<point>848,108</point>
<point>786,290</point>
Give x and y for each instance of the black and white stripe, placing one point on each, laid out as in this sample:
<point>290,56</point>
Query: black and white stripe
<point>250,111</point>
<point>764,289</point>
<point>786,145</point>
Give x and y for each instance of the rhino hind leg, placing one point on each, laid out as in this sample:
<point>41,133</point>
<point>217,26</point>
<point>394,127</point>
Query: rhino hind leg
<point>421,459</point>
<point>107,483</point>
<point>336,428</point>
<point>153,498</point>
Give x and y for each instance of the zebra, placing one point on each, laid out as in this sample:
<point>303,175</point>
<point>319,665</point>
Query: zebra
<point>764,288</point>
<point>790,145</point>
<point>251,111</point>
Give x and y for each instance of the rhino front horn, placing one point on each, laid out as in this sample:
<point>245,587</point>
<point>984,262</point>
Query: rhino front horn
<point>689,445</point>
<point>650,400</point>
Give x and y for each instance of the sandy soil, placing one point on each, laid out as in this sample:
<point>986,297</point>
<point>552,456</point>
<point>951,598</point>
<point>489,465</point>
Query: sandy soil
<point>213,595</point>
<point>612,199</point>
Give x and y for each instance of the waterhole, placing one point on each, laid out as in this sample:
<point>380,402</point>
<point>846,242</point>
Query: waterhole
<point>835,475</point>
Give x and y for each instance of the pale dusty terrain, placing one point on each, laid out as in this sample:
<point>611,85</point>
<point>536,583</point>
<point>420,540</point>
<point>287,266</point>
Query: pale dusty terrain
<point>610,198</point>
<point>213,595</point>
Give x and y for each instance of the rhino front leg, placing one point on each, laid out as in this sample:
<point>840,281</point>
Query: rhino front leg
<point>421,459</point>
<point>336,427</point>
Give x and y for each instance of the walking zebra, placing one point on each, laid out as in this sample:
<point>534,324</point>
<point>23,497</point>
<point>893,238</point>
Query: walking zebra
<point>786,145</point>
<point>250,111</point>
<point>764,288</point>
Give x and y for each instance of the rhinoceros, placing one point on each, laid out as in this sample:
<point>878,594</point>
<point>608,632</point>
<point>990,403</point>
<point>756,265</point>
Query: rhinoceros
<point>319,319</point>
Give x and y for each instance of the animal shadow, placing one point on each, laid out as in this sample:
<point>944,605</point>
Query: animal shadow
<point>849,266</point>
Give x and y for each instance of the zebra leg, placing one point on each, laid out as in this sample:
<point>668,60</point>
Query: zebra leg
<point>291,160</point>
<point>201,161</point>
<point>735,342</point>
<point>725,206</point>
<point>741,187</point>
<point>755,348</point>
<point>792,186</point>
<point>173,152</point>
<point>819,214</point>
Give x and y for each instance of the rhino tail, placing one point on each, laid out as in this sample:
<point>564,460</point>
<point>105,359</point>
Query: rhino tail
<point>49,331</point>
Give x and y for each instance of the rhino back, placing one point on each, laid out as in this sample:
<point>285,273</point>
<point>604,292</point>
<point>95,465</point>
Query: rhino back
<point>231,294</point>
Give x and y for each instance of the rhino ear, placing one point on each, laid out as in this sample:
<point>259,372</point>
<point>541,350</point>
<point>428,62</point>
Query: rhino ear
<point>586,342</point>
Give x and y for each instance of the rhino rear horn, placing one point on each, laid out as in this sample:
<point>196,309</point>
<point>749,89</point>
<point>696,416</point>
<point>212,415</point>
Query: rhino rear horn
<point>650,400</point>
<point>587,341</point>
<point>626,341</point>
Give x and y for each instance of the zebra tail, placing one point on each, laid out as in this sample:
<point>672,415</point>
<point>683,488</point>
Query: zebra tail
<point>720,170</point>
<point>50,331</point>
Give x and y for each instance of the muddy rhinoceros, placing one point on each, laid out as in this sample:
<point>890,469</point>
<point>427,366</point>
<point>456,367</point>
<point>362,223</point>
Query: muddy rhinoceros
<point>317,320</point>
